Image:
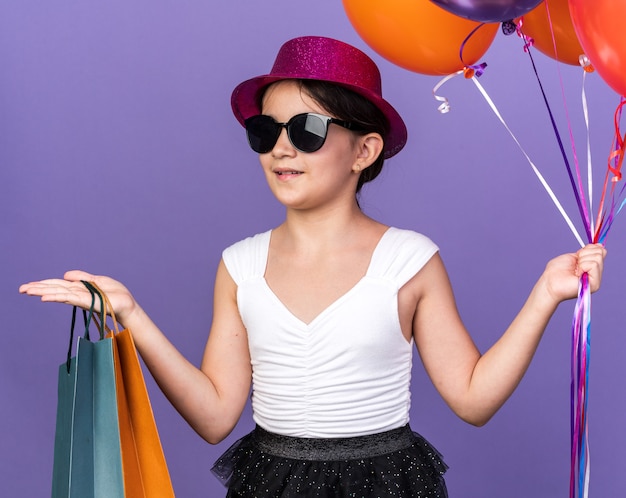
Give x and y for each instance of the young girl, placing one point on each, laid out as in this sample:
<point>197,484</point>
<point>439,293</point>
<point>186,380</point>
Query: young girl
<point>320,314</point>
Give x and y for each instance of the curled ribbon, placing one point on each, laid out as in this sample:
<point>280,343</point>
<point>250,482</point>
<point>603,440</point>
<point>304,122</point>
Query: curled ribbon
<point>444,107</point>
<point>468,71</point>
<point>528,41</point>
<point>617,155</point>
<point>614,172</point>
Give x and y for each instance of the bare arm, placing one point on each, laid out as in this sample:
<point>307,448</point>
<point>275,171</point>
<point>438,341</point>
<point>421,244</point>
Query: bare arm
<point>475,386</point>
<point>210,398</point>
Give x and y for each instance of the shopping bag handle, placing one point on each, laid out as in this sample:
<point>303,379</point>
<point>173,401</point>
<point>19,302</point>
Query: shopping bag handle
<point>87,320</point>
<point>106,308</point>
<point>94,289</point>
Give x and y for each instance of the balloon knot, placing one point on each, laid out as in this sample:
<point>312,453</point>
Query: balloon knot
<point>508,27</point>
<point>475,70</point>
<point>586,63</point>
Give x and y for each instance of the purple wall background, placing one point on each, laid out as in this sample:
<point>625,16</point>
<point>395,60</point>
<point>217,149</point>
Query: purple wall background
<point>119,155</point>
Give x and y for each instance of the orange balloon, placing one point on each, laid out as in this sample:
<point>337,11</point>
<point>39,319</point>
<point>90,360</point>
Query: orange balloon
<point>536,24</point>
<point>419,35</point>
<point>600,29</point>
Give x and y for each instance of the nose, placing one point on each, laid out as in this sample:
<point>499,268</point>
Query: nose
<point>283,143</point>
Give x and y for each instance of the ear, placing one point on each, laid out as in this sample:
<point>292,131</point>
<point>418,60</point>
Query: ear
<point>369,147</point>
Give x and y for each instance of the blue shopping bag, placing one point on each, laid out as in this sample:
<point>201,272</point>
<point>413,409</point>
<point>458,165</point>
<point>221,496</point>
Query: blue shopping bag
<point>87,452</point>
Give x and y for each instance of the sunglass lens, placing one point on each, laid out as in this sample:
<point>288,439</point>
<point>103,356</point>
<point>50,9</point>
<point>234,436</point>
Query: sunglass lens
<point>307,132</point>
<point>262,133</point>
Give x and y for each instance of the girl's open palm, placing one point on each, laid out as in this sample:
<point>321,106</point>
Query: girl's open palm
<point>70,290</point>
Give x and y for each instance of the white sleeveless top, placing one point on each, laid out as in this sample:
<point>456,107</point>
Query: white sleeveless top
<point>347,373</point>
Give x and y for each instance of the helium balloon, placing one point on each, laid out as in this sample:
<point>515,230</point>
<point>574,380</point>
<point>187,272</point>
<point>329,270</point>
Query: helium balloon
<point>549,18</point>
<point>419,36</point>
<point>600,29</point>
<point>488,10</point>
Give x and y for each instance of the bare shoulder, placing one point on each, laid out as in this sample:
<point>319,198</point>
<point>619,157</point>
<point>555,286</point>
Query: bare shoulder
<point>431,278</point>
<point>420,292</point>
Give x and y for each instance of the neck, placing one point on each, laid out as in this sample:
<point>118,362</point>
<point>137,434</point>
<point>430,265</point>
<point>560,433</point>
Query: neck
<point>333,226</point>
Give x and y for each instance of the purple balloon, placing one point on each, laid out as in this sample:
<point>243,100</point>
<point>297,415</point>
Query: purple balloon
<point>488,10</point>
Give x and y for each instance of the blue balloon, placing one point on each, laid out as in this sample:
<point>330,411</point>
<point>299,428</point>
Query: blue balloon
<point>488,10</point>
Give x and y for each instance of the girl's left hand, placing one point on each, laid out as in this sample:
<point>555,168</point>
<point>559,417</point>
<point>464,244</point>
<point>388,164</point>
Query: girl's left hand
<point>563,273</point>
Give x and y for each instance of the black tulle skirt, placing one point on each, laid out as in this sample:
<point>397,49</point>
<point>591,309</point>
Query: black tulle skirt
<point>396,463</point>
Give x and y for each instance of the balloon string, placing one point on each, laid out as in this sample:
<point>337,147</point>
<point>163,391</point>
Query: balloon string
<point>581,334</point>
<point>577,193</point>
<point>580,459</point>
<point>554,47</point>
<point>534,168</point>
<point>584,62</point>
<point>617,155</point>
<point>476,69</point>
<point>580,454</point>
<point>602,235</point>
<point>586,210</point>
<point>581,340</point>
<point>615,161</point>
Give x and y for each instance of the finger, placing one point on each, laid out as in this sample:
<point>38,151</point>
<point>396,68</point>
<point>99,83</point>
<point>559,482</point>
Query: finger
<point>39,285</point>
<point>77,275</point>
<point>59,291</point>
<point>591,262</point>
<point>592,249</point>
<point>590,266</point>
<point>591,255</point>
<point>73,276</point>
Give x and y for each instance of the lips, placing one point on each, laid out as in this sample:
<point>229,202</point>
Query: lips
<point>281,173</point>
<point>286,173</point>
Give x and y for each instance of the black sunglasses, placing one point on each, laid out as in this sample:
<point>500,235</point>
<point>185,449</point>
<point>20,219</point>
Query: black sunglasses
<point>306,132</point>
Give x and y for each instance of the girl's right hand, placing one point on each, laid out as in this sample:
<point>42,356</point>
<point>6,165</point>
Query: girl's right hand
<point>70,290</point>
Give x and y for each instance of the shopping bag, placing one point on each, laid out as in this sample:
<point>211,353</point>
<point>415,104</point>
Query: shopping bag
<point>145,470</point>
<point>87,451</point>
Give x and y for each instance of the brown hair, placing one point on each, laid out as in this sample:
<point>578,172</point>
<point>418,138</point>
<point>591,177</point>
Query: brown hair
<point>349,106</point>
